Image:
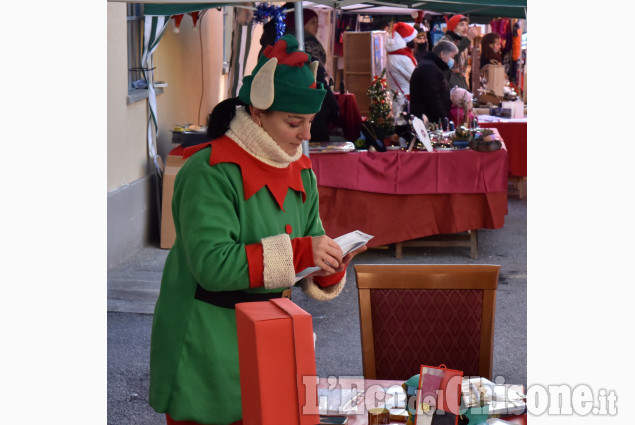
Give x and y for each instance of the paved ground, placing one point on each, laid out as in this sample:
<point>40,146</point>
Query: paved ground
<point>133,287</point>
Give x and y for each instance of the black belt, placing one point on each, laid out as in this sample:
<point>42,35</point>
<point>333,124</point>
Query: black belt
<point>229,299</point>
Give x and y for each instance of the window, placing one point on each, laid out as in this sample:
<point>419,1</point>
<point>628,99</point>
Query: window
<point>137,84</point>
<point>135,43</point>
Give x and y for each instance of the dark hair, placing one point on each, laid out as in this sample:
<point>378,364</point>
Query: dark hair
<point>487,53</point>
<point>220,117</point>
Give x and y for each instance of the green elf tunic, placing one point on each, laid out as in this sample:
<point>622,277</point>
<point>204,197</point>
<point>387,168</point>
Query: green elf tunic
<point>244,212</point>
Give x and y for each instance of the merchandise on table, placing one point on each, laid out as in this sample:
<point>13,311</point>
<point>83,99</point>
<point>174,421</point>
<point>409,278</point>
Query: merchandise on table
<point>331,147</point>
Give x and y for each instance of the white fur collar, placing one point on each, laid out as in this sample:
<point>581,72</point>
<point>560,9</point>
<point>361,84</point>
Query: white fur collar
<point>257,142</point>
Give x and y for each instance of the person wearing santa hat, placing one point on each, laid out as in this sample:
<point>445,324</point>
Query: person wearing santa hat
<point>401,62</point>
<point>461,34</point>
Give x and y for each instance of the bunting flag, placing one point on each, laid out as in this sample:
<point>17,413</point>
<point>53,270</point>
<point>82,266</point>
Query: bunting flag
<point>153,30</point>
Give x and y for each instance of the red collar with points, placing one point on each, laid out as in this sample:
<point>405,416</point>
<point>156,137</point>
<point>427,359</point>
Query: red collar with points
<point>256,174</point>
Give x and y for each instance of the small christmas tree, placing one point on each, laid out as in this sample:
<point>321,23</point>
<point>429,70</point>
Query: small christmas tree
<point>380,107</point>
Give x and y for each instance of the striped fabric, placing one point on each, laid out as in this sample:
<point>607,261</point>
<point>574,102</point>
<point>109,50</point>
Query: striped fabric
<point>241,42</point>
<point>153,30</point>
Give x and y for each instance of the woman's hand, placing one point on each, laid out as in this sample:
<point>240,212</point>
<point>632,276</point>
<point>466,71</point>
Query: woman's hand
<point>343,264</point>
<point>327,254</point>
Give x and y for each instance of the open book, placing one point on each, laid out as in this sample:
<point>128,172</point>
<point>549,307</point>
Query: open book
<point>348,243</point>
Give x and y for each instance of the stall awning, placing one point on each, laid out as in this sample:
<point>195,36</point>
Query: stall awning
<point>476,8</point>
<point>169,9</point>
<point>473,8</point>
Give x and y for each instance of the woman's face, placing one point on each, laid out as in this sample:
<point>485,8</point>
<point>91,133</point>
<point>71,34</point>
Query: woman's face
<point>312,26</point>
<point>286,128</point>
<point>496,45</point>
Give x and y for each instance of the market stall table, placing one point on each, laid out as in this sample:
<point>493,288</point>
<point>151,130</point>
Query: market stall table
<point>399,197</point>
<point>514,132</point>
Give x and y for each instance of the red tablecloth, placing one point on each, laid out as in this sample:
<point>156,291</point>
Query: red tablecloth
<point>413,173</point>
<point>350,117</point>
<point>386,195</point>
<point>515,136</point>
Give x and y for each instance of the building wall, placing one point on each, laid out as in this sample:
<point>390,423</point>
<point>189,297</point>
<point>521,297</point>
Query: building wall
<point>127,150</point>
<point>130,217</point>
<point>190,62</point>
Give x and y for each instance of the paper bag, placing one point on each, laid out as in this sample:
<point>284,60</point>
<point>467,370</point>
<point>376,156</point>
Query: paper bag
<point>496,78</point>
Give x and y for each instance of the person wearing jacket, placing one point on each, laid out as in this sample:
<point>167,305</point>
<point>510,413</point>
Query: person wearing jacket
<point>429,90</point>
<point>329,113</point>
<point>459,33</point>
<point>401,63</point>
<point>246,216</point>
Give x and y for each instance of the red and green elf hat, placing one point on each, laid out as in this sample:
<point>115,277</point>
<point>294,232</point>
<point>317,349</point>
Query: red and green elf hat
<point>284,80</point>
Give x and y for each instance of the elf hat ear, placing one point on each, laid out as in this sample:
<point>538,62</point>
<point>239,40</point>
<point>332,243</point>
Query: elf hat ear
<point>314,67</point>
<point>262,86</point>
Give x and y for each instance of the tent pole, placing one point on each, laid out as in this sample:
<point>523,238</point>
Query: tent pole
<point>299,23</point>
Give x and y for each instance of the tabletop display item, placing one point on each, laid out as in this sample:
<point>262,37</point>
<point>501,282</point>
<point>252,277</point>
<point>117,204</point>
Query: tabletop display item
<point>188,135</point>
<point>371,137</point>
<point>331,147</point>
<point>478,139</point>
<point>381,114</point>
<point>462,100</point>
<point>378,416</point>
<point>484,140</point>
<point>438,396</point>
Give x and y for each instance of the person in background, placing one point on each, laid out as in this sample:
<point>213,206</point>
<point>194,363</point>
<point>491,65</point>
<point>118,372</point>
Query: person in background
<point>421,39</point>
<point>420,45</point>
<point>401,64</point>
<point>246,216</point>
<point>311,25</point>
<point>429,89</point>
<point>329,114</point>
<point>268,37</point>
<point>461,34</point>
<point>491,50</point>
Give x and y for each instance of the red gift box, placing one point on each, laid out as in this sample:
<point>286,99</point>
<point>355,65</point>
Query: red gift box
<point>278,380</point>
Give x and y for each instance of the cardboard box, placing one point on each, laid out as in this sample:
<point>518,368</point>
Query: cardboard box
<point>173,164</point>
<point>517,108</point>
<point>278,380</point>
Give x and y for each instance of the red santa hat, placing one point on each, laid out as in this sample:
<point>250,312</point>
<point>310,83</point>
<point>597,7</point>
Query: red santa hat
<point>405,31</point>
<point>454,21</point>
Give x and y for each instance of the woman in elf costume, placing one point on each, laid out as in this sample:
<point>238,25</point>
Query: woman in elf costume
<point>245,210</point>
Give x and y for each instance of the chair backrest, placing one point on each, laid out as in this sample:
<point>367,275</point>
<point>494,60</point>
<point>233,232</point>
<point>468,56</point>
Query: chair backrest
<point>413,314</point>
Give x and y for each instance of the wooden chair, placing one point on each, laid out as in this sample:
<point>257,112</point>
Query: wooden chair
<point>414,314</point>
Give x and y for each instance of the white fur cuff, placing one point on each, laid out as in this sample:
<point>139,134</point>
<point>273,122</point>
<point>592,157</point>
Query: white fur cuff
<point>313,290</point>
<point>279,271</point>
